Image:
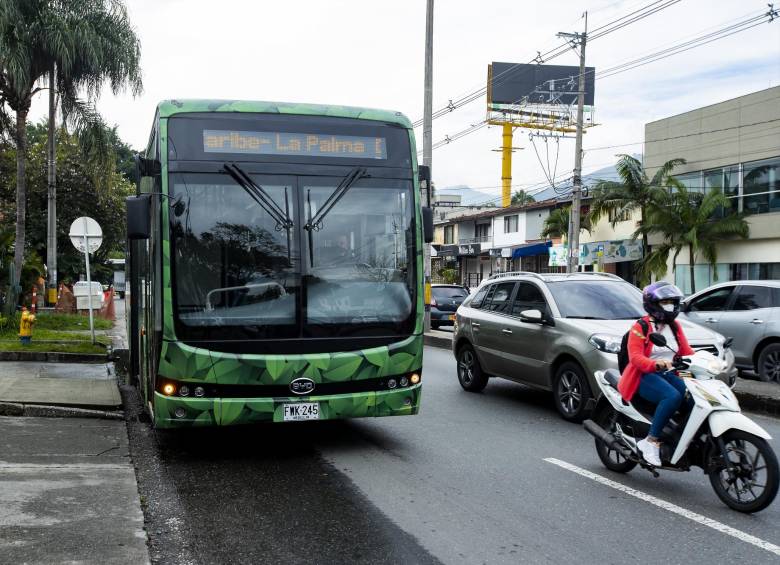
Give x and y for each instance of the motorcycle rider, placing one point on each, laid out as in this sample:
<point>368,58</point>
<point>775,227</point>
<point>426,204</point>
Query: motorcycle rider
<point>649,370</point>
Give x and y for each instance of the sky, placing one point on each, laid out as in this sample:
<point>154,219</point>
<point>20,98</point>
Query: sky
<point>370,53</point>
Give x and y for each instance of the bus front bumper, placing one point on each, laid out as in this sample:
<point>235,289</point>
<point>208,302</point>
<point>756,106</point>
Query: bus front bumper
<point>177,412</point>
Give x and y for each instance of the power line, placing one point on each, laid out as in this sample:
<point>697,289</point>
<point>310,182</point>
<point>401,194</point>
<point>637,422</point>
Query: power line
<point>692,135</point>
<point>642,13</point>
<point>698,42</point>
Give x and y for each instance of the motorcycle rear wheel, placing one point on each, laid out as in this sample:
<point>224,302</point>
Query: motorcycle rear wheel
<point>612,460</point>
<point>757,478</point>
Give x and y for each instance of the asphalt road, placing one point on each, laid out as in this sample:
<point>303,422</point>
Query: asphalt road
<point>466,481</point>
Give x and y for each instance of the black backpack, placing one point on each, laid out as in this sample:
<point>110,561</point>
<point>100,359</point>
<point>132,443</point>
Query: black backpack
<point>623,353</point>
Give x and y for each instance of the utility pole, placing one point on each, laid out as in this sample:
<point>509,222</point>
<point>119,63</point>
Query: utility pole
<point>428,143</point>
<point>576,191</point>
<point>51,220</point>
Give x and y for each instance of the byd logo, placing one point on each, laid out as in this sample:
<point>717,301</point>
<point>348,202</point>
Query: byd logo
<point>302,386</point>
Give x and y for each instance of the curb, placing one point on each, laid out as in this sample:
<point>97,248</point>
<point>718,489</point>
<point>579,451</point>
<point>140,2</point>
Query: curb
<point>45,411</point>
<point>51,357</point>
<point>767,405</point>
<point>436,341</point>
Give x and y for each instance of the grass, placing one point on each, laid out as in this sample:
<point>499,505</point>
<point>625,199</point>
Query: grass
<point>47,321</point>
<point>56,333</point>
<point>81,347</point>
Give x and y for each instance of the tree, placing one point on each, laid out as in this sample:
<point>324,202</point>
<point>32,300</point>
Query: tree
<point>635,191</point>
<point>522,197</point>
<point>689,219</point>
<point>90,42</point>
<point>557,224</point>
<point>80,194</point>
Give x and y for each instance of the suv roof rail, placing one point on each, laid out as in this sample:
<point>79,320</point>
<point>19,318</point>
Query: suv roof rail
<point>585,273</point>
<point>541,276</point>
<point>515,274</point>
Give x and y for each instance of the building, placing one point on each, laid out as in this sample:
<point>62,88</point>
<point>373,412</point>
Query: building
<point>733,146</point>
<point>478,243</point>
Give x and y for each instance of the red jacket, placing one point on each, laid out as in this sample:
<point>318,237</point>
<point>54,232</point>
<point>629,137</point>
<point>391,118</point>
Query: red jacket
<point>639,362</point>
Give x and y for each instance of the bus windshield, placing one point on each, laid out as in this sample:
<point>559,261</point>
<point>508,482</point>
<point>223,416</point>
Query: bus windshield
<point>239,272</point>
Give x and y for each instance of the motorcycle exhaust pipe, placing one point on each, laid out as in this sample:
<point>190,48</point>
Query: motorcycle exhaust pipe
<point>608,439</point>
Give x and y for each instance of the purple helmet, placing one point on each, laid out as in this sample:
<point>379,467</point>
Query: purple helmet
<point>654,293</point>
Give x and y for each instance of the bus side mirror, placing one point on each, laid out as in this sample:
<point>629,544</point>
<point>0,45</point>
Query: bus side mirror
<point>424,176</point>
<point>138,216</point>
<point>427,218</point>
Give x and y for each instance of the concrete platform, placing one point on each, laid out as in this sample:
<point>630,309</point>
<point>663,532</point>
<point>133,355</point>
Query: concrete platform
<point>61,384</point>
<point>68,493</point>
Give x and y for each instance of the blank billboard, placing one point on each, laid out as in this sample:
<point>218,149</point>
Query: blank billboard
<point>513,83</point>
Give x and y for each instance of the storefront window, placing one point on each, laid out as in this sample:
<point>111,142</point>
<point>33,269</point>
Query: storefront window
<point>761,186</point>
<point>706,276</point>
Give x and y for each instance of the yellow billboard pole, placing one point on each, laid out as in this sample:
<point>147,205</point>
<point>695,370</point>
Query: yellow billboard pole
<point>506,165</point>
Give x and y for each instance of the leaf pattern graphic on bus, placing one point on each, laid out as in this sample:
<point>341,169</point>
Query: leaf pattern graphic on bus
<point>234,411</point>
<point>186,363</point>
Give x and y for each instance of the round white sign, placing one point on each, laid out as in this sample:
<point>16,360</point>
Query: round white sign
<point>85,226</point>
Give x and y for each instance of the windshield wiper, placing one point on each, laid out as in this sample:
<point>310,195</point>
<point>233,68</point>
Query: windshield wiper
<point>281,217</point>
<point>352,177</point>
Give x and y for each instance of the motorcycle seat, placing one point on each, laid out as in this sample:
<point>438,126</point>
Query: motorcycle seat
<point>612,377</point>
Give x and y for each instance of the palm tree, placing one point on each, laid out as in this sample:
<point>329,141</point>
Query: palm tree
<point>635,191</point>
<point>693,220</point>
<point>557,224</point>
<point>90,42</point>
<point>522,197</point>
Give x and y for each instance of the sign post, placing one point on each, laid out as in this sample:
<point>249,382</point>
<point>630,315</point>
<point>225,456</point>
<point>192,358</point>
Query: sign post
<point>86,236</point>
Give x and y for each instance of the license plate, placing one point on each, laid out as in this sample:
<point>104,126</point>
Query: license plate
<point>301,411</point>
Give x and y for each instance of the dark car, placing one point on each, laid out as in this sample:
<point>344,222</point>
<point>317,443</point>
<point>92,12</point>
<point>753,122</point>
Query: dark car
<point>445,299</point>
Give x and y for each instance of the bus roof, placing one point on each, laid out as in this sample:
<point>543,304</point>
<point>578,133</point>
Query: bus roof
<point>169,108</point>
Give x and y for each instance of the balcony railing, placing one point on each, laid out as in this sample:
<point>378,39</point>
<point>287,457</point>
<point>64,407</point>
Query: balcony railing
<point>478,239</point>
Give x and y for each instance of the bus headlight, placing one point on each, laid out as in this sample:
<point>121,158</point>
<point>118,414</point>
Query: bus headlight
<point>415,378</point>
<point>168,389</point>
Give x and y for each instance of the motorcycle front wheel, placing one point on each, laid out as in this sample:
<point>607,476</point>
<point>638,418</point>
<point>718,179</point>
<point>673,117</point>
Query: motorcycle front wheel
<point>612,460</point>
<point>753,483</point>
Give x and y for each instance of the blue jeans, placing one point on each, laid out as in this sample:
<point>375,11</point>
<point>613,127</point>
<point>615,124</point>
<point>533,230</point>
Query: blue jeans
<point>667,390</point>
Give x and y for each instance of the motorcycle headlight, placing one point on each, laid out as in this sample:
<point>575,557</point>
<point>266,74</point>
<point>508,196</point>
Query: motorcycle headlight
<point>716,366</point>
<point>605,342</point>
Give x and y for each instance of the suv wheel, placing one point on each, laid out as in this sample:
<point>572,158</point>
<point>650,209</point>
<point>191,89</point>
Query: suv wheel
<point>470,373</point>
<point>769,363</point>
<point>571,391</point>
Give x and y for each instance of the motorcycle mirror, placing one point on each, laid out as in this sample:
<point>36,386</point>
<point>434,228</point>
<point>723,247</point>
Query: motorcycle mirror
<point>657,339</point>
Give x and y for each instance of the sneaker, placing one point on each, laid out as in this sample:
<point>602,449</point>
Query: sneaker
<point>650,452</point>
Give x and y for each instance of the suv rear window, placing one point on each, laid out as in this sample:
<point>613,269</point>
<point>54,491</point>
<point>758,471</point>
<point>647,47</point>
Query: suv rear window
<point>750,297</point>
<point>499,299</point>
<point>476,302</point>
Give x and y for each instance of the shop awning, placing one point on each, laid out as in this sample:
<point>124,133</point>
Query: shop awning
<point>531,249</point>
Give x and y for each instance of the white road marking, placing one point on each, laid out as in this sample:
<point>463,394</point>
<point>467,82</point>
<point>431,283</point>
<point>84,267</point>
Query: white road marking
<point>698,518</point>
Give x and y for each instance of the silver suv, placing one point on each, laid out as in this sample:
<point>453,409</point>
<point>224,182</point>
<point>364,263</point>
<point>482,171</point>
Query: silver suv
<point>748,311</point>
<point>552,332</point>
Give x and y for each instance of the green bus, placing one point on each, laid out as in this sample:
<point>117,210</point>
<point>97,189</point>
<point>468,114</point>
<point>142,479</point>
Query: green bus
<point>275,264</point>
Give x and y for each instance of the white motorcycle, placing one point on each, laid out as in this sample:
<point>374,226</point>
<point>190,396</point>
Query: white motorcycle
<point>713,435</point>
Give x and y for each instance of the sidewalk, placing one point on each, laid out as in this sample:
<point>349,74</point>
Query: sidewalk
<point>68,491</point>
<point>753,395</point>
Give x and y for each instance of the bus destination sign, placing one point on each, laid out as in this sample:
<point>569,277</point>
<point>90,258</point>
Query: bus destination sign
<point>301,144</point>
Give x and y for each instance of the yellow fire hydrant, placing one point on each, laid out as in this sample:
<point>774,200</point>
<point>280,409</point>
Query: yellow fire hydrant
<point>25,326</point>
